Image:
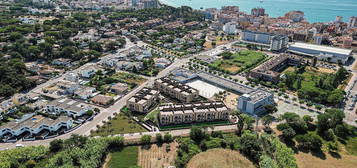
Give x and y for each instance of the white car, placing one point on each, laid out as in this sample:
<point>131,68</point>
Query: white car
<point>19,145</point>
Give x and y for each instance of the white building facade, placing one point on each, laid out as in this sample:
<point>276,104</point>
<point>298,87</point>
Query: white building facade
<point>254,102</point>
<point>325,53</point>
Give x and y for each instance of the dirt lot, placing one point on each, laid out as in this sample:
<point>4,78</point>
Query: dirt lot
<point>208,44</point>
<point>307,160</point>
<point>219,158</point>
<point>320,69</point>
<point>157,156</point>
<point>231,100</point>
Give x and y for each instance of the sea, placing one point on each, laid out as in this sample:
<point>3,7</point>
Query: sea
<point>315,10</point>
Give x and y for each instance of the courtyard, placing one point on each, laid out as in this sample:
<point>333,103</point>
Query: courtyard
<point>205,89</point>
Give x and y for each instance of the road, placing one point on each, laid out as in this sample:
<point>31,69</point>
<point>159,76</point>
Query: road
<point>351,90</point>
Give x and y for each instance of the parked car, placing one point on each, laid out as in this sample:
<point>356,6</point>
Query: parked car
<point>19,145</point>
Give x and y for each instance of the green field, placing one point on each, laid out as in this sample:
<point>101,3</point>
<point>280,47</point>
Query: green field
<point>119,125</point>
<point>125,158</point>
<point>238,62</point>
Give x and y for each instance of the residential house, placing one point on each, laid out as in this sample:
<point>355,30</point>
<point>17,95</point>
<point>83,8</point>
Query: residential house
<point>119,88</point>
<point>85,93</point>
<point>62,62</point>
<point>102,99</point>
<point>162,62</point>
<point>88,72</point>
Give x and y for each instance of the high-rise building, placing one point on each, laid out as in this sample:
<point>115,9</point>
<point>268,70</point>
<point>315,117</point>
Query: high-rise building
<point>275,42</point>
<point>352,23</point>
<point>258,12</point>
<point>279,42</point>
<point>150,4</point>
<point>338,19</point>
<point>230,28</point>
<point>318,39</point>
<point>134,3</point>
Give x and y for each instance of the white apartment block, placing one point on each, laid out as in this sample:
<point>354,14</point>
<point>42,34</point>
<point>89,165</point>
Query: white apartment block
<point>69,106</point>
<point>177,90</point>
<point>254,102</point>
<point>33,125</point>
<point>230,28</point>
<point>274,42</point>
<point>171,114</point>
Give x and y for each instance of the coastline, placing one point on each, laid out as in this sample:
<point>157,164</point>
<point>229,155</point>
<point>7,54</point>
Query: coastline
<point>316,11</point>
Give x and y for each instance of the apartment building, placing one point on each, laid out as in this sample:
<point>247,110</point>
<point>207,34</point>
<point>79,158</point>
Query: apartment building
<point>268,40</point>
<point>254,102</point>
<point>270,70</point>
<point>171,114</point>
<point>143,100</point>
<point>69,106</point>
<point>177,90</point>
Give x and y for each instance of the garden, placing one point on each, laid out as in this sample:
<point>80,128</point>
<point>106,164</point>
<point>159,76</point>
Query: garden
<point>237,62</point>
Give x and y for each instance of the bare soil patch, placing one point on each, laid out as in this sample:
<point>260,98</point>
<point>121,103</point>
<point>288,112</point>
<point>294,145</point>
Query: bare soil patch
<point>157,156</point>
<point>307,160</point>
<point>220,158</point>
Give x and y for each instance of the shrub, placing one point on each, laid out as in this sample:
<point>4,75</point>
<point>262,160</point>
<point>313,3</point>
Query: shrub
<point>56,145</point>
<point>145,139</point>
<point>168,137</point>
<point>309,141</point>
<point>159,138</point>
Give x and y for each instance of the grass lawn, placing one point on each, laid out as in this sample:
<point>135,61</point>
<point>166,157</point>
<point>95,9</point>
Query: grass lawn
<point>239,61</point>
<point>153,115</point>
<point>125,158</point>
<point>119,125</point>
<point>351,146</point>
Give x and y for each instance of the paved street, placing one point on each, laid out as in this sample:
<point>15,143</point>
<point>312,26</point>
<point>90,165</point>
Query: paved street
<point>351,90</point>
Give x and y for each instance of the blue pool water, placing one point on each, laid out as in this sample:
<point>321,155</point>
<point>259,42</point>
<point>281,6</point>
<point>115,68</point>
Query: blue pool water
<point>315,10</point>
